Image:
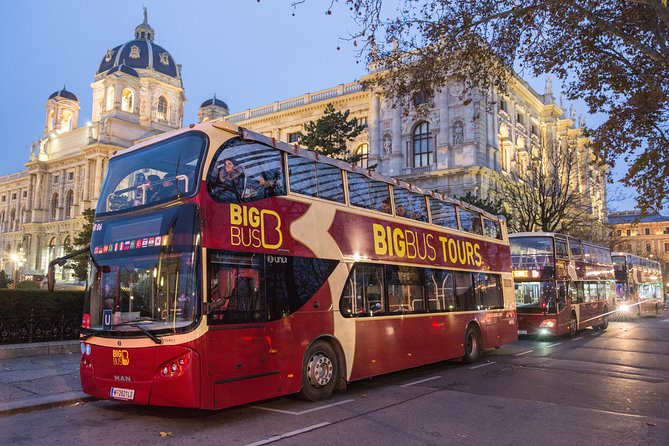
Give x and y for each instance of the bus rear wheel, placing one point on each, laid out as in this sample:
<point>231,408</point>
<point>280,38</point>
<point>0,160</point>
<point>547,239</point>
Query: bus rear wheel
<point>319,372</point>
<point>472,345</point>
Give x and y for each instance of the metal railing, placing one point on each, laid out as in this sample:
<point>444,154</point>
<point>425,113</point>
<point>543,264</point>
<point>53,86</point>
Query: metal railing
<point>54,327</point>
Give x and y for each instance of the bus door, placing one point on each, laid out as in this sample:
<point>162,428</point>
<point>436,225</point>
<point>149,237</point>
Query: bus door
<point>561,303</point>
<point>237,344</point>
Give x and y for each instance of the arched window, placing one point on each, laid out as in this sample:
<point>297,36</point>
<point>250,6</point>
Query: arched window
<point>51,250</point>
<point>162,108</point>
<point>128,100</point>
<point>51,120</point>
<point>422,145</point>
<point>54,206</point>
<point>69,202</point>
<point>12,220</point>
<point>362,153</point>
<point>109,104</point>
<point>67,242</point>
<point>66,121</point>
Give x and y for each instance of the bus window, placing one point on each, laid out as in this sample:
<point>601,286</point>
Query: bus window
<point>576,248</point>
<point>439,286</point>
<point>156,173</point>
<point>470,221</point>
<point>443,214</point>
<point>358,191</point>
<point>464,292</point>
<point>489,291</point>
<point>492,229</point>
<point>363,292</point>
<point>244,171</point>
<point>405,289</point>
<point>315,179</point>
<point>409,204</point>
<point>561,249</point>
<point>330,183</point>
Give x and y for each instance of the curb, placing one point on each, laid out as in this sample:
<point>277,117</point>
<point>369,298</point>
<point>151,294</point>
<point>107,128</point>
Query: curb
<point>10,351</point>
<point>45,402</point>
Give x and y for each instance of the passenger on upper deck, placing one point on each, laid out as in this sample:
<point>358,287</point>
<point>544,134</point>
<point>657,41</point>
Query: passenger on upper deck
<point>228,185</point>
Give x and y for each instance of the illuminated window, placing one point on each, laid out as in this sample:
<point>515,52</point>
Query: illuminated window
<point>69,202</point>
<point>162,108</point>
<point>422,145</point>
<point>362,153</point>
<point>128,100</point>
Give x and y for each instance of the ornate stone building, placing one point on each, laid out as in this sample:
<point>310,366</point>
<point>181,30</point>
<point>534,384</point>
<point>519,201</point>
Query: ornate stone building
<point>137,93</point>
<point>643,236</point>
<point>453,147</point>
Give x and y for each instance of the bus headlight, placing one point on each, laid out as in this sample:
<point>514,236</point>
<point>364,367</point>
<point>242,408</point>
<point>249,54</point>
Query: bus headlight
<point>624,308</point>
<point>548,323</point>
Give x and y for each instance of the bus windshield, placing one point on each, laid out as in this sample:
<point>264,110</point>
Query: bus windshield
<point>157,173</point>
<point>535,297</point>
<point>144,273</point>
<point>532,252</point>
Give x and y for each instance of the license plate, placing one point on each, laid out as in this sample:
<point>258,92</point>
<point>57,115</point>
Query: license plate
<point>122,394</point>
<point>522,331</point>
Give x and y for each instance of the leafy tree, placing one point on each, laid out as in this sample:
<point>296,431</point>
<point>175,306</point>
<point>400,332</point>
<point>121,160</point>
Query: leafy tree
<point>330,133</point>
<point>79,264</point>
<point>3,279</point>
<point>490,204</point>
<point>612,54</point>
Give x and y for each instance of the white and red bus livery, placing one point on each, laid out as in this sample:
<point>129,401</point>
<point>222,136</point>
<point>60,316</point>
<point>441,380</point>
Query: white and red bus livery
<point>562,284</point>
<point>228,267</point>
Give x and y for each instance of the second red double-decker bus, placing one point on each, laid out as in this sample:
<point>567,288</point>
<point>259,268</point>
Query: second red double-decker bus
<point>562,284</point>
<point>638,284</point>
<point>228,267</point>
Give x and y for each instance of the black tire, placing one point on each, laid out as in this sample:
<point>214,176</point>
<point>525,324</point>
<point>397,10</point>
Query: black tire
<point>472,345</point>
<point>319,372</point>
<point>573,326</point>
<point>605,320</point>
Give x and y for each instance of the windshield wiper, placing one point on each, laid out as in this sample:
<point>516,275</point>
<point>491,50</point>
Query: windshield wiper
<point>151,336</point>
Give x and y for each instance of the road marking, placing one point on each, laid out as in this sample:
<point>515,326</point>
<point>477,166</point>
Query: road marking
<point>552,345</point>
<point>524,353</point>
<point>290,412</point>
<point>482,365</point>
<point>576,339</point>
<point>289,434</point>
<point>421,381</point>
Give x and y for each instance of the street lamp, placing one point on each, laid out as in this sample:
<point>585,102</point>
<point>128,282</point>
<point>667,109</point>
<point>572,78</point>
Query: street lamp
<point>18,258</point>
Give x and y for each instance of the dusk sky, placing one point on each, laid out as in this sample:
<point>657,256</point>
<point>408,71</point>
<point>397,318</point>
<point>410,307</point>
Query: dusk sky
<point>249,53</point>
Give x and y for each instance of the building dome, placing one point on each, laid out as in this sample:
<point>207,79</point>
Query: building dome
<point>140,53</point>
<point>63,93</point>
<point>214,101</point>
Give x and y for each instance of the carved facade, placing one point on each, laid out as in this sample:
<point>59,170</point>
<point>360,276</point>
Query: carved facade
<point>137,93</point>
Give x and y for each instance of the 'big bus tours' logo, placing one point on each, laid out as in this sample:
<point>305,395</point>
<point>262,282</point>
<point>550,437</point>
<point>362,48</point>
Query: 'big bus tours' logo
<point>255,228</point>
<point>412,245</point>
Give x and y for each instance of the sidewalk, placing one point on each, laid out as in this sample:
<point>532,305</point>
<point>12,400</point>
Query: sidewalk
<point>39,375</point>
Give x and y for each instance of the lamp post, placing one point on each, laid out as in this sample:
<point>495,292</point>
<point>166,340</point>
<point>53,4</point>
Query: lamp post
<point>18,258</point>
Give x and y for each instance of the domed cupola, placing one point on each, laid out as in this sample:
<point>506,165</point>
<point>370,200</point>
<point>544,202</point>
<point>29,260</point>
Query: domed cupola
<point>139,82</point>
<point>212,109</point>
<point>62,112</point>
<point>140,53</point>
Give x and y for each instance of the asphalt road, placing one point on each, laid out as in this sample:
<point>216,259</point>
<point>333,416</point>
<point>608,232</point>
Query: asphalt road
<point>602,387</point>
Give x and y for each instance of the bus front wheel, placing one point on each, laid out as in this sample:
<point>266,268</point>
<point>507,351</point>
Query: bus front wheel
<point>605,320</point>
<point>472,345</point>
<point>319,372</point>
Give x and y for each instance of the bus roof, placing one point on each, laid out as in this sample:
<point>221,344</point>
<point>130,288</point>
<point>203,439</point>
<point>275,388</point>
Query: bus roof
<point>294,149</point>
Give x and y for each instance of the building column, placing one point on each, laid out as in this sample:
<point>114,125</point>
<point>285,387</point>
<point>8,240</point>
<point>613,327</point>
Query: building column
<point>87,180</point>
<point>374,127</point>
<point>97,180</point>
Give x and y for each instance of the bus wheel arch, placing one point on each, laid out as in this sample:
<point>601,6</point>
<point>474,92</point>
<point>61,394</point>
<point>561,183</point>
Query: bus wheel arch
<point>320,370</point>
<point>473,343</point>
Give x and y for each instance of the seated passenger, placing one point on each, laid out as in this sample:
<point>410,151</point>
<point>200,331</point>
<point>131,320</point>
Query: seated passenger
<point>228,186</point>
<point>385,207</point>
<point>269,184</point>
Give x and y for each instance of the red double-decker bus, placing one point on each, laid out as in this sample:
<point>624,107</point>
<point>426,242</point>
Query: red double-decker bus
<point>562,284</point>
<point>638,285</point>
<point>228,267</point>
